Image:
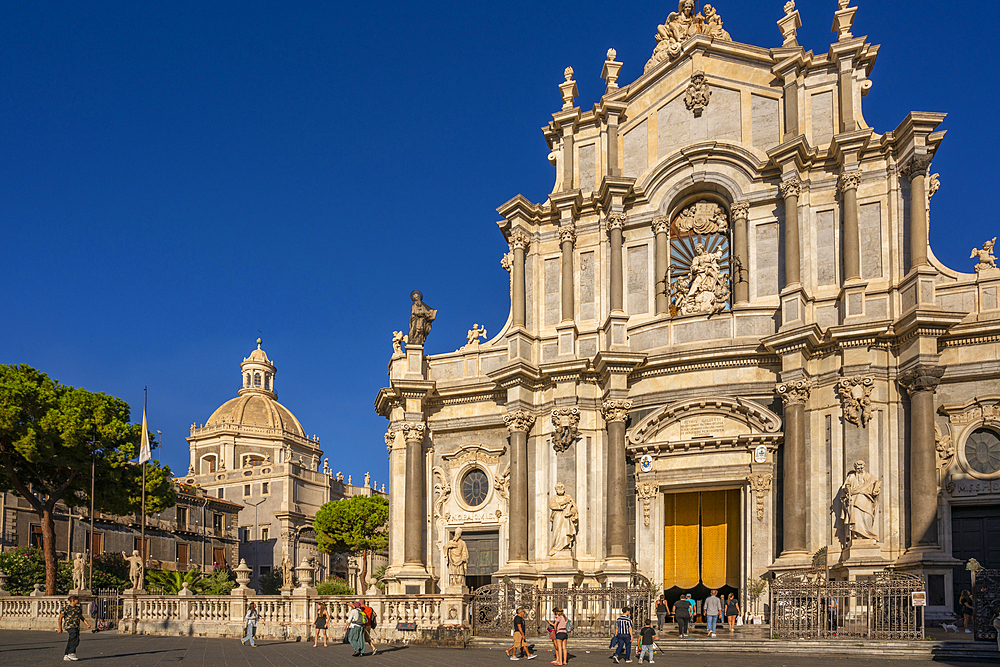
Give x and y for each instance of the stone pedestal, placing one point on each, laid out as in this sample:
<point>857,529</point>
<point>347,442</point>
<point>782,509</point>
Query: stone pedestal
<point>414,580</point>
<point>851,302</point>
<point>414,362</point>
<point>617,571</point>
<point>79,592</point>
<point>616,332</point>
<point>863,554</point>
<point>519,572</point>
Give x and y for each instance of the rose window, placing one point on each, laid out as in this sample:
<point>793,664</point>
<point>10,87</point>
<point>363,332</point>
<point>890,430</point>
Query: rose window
<point>982,450</point>
<point>475,487</point>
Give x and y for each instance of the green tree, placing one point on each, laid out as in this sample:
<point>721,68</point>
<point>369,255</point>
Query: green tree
<point>50,433</point>
<point>355,526</point>
<point>334,586</point>
<point>270,582</point>
<point>110,571</point>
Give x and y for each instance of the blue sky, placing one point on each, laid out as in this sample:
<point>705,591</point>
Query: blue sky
<point>174,176</point>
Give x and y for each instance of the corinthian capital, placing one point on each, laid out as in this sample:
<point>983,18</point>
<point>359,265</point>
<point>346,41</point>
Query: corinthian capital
<point>567,234</point>
<point>518,239</point>
<point>661,225</point>
<point>791,188</point>
<point>519,421</point>
<point>740,210</point>
<point>917,166</point>
<point>390,438</point>
<point>849,181</point>
<point>795,393</point>
<point>616,411</point>
<point>921,378</point>
<point>615,221</point>
<point>413,431</point>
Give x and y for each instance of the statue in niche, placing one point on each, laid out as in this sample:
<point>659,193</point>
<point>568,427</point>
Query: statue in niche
<point>696,99</point>
<point>707,289</point>
<point>985,256</point>
<point>565,518</point>
<point>136,570</point>
<point>421,317</point>
<point>861,492</point>
<point>457,554</point>
<point>79,572</point>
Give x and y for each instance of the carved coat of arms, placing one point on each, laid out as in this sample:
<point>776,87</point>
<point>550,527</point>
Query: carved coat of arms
<point>702,218</point>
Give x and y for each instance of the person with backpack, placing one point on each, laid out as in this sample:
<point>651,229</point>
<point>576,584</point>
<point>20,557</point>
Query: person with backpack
<point>355,628</point>
<point>370,625</point>
<point>623,638</point>
<point>562,634</point>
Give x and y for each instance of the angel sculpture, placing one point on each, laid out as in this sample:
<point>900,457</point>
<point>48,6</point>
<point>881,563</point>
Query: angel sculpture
<point>985,256</point>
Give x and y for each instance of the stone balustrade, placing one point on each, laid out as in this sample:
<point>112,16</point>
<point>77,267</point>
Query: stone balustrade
<point>438,618</point>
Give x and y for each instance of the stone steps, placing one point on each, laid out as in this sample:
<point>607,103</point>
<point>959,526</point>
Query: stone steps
<point>915,650</point>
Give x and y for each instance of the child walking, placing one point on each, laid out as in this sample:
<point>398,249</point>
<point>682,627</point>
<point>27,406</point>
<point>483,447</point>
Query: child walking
<point>647,637</point>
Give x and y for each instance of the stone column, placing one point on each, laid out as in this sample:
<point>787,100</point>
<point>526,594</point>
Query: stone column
<point>519,242</point>
<point>920,383</point>
<point>661,228</point>
<point>790,191</point>
<point>795,395</point>
<point>615,414</point>
<point>519,424</point>
<point>567,237</point>
<point>414,494</point>
<point>849,182</point>
<point>615,223</point>
<point>916,171</point>
<point>740,214</point>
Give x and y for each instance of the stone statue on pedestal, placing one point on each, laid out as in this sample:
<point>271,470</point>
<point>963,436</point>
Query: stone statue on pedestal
<point>136,570</point>
<point>457,554</point>
<point>565,517</point>
<point>421,317</point>
<point>861,492</point>
<point>286,573</point>
<point>79,572</point>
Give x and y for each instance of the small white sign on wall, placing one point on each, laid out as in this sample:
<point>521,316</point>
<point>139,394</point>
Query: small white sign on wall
<point>760,454</point>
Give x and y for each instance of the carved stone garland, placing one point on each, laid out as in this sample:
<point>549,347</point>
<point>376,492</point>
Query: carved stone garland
<point>760,484</point>
<point>855,397</point>
<point>566,421</point>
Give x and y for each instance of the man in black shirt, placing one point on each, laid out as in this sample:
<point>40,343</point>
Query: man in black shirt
<point>519,635</point>
<point>647,637</point>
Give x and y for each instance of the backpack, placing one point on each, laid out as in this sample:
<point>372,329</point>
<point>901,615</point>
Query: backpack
<point>370,614</point>
<point>569,626</point>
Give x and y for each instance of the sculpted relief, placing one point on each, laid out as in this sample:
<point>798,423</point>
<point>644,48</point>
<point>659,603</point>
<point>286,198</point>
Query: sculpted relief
<point>681,26</point>
<point>705,289</point>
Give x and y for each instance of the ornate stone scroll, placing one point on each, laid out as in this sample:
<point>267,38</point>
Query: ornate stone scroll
<point>698,93</point>
<point>795,392</point>
<point>390,438</point>
<point>507,262</point>
<point>855,397</point>
<point>645,491</point>
<point>985,257</point>
<point>791,188</point>
<point>566,421</point>
<point>616,411</point>
<point>519,421</point>
<point>502,483</point>
<point>933,185</point>
<point>413,431</point>
<point>760,484</point>
<point>519,239</point>
<point>565,517</point>
<point>849,180</point>
<point>615,221</point>
<point>442,490</point>
<point>945,448</point>
<point>705,217</point>
<point>682,25</point>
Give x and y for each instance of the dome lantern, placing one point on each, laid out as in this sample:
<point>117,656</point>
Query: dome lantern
<point>258,373</point>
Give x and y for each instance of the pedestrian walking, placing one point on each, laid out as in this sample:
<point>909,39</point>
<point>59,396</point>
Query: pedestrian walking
<point>625,635</point>
<point>370,623</point>
<point>519,635</point>
<point>965,605</point>
<point>661,613</point>
<point>732,611</point>
<point>713,607</point>
<point>682,613</point>
<point>646,639</point>
<point>562,635</point>
<point>70,618</point>
<point>355,628</point>
<point>251,618</point>
<point>832,610</point>
<point>320,624</point>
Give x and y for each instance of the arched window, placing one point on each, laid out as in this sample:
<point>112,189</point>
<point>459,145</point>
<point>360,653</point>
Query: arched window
<point>267,382</point>
<point>256,379</point>
<point>247,381</point>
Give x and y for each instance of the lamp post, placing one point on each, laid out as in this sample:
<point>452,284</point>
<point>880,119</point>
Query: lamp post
<point>256,569</point>
<point>90,547</point>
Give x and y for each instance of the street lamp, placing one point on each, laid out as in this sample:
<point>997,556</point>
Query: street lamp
<point>255,565</point>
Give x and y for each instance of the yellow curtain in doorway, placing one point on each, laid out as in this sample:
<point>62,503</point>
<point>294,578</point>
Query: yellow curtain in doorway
<point>733,538</point>
<point>680,538</point>
<point>720,538</point>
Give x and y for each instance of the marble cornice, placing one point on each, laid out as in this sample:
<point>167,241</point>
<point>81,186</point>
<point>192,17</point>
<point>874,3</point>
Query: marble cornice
<point>796,149</point>
<point>457,424</point>
<point>971,333</point>
<point>519,373</point>
<point>569,369</point>
<point>807,337</point>
<point>608,362</point>
<point>705,359</point>
<point>930,322</point>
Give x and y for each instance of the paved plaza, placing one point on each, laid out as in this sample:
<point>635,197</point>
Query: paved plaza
<point>112,650</point>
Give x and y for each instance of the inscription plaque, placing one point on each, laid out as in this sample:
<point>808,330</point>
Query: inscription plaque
<point>702,427</point>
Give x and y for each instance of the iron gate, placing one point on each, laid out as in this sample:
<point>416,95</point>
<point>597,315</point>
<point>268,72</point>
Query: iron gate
<point>986,601</point>
<point>107,610</point>
<point>805,603</point>
<point>590,611</point>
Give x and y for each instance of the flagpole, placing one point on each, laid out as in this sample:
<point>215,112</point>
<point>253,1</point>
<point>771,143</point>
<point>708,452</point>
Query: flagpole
<point>142,543</point>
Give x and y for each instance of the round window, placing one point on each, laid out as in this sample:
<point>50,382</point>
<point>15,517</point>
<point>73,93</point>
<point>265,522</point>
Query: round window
<point>475,487</point>
<point>982,450</point>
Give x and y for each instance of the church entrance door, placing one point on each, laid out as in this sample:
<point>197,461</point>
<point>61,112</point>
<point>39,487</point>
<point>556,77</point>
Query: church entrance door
<point>975,533</point>
<point>484,557</point>
<point>701,542</point>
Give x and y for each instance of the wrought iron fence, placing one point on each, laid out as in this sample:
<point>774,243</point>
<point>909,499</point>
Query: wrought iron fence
<point>805,603</point>
<point>591,611</point>
<point>107,610</point>
<point>986,602</point>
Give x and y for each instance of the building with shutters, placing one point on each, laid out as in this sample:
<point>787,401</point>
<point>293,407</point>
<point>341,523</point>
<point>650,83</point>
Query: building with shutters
<point>726,301</point>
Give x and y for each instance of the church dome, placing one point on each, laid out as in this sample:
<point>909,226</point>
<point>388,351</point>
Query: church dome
<point>256,409</point>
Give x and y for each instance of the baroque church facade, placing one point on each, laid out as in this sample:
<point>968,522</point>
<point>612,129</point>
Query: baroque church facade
<point>253,451</point>
<point>730,350</point>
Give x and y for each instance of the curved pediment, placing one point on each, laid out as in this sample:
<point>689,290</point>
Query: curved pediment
<point>705,418</point>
